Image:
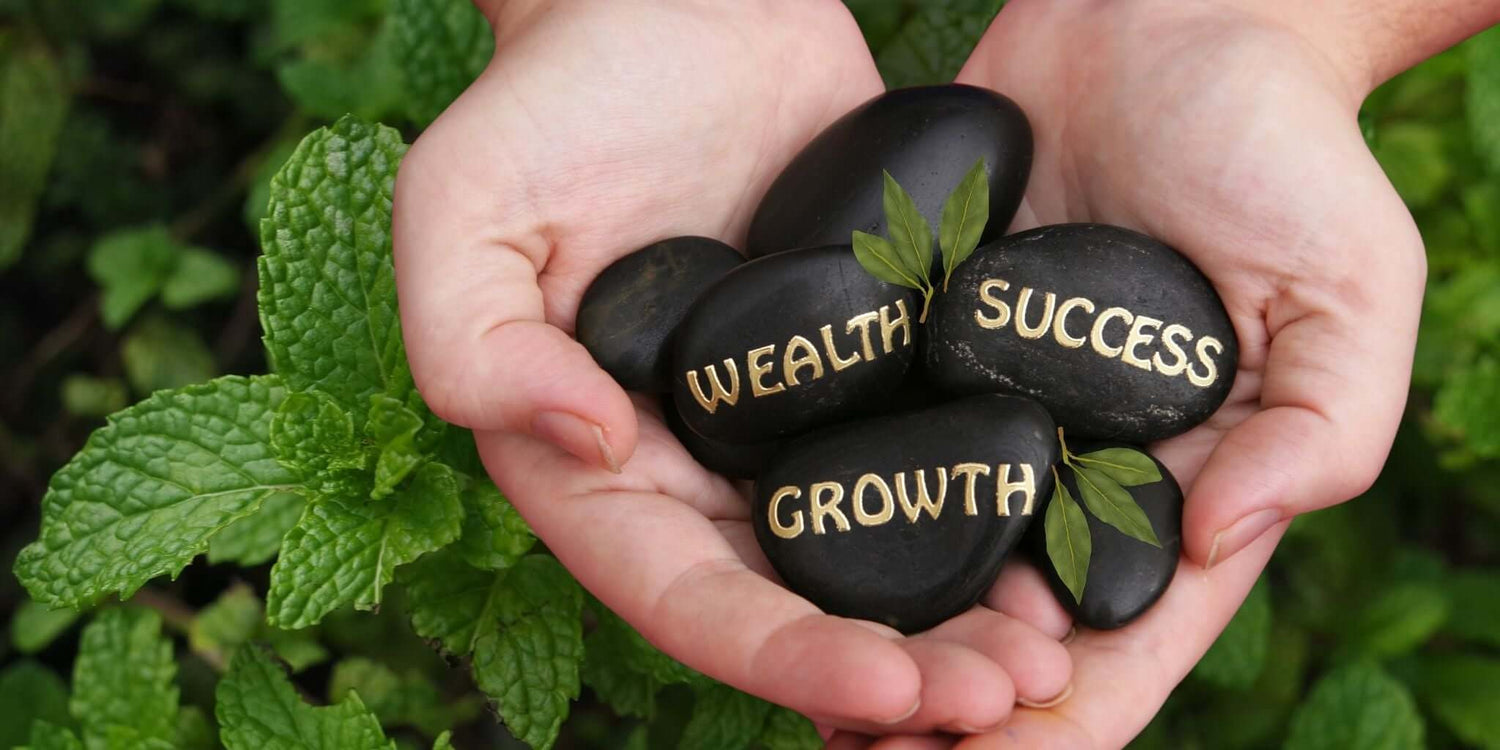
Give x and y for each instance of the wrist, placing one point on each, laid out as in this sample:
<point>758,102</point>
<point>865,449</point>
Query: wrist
<point>1370,41</point>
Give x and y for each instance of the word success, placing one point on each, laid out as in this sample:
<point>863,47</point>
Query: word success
<point>801,360</point>
<point>872,501</point>
<point>1115,333</point>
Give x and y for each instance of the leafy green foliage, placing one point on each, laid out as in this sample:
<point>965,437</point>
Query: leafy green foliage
<point>442,46</point>
<point>1238,657</point>
<point>152,487</point>
<point>134,266</point>
<point>1484,95</point>
<point>123,679</point>
<point>965,213</point>
<point>85,396</point>
<point>258,709</point>
<point>33,101</point>
<point>1464,693</point>
<point>30,693</point>
<point>1357,706</point>
<point>1068,543</point>
<point>934,42</point>
<point>159,354</point>
<point>34,626</point>
<point>724,718</point>
<point>399,699</point>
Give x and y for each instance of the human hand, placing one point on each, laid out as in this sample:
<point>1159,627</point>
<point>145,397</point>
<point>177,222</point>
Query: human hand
<point>598,128</point>
<point>1232,136</point>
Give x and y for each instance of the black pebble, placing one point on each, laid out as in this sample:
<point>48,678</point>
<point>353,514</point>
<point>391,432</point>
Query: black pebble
<point>731,460</point>
<point>880,564</point>
<point>974,344</point>
<point>627,316</point>
<point>927,137</point>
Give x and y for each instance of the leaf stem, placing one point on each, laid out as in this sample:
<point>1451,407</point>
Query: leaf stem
<point>926,302</point>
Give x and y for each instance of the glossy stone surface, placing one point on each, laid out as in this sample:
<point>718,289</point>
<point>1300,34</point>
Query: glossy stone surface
<point>731,460</point>
<point>1126,576</point>
<point>927,137</point>
<point>627,315</point>
<point>843,516</point>
<point>790,342</point>
<point>1118,335</point>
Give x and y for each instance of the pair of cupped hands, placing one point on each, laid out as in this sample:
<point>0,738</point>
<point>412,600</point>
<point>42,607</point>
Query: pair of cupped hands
<point>600,127</point>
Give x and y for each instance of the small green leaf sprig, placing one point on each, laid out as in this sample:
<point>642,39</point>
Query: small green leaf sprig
<point>1101,478</point>
<point>906,257</point>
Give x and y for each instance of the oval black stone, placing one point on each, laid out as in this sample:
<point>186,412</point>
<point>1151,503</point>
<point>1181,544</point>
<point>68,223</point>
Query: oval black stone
<point>627,315</point>
<point>1126,576</point>
<point>873,550</point>
<point>730,459</point>
<point>1118,335</point>
<point>927,137</point>
<point>790,342</point>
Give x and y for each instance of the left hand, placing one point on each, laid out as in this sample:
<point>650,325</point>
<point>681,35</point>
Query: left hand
<point>1231,136</point>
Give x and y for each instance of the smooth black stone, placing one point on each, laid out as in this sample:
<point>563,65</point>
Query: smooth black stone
<point>1126,576</point>
<point>766,303</point>
<point>731,460</point>
<point>909,575</point>
<point>927,137</point>
<point>1091,395</point>
<point>627,316</point>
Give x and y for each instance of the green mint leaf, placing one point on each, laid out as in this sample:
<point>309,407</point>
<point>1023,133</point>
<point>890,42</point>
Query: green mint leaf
<point>1463,691</point>
<point>1128,467</point>
<point>409,700</point>
<point>878,256</point>
<point>1112,504</point>
<point>131,266</point>
<point>964,215</point>
<point>327,287</point>
<point>226,624</point>
<point>1068,543</point>
<point>30,693</point>
<point>441,46</point>
<point>34,626</point>
<point>364,81</point>
<point>194,732</point>
<point>393,428</point>
<point>85,396</point>
<point>520,626</point>
<point>1483,95</point>
<point>788,730</point>
<point>346,548</point>
<point>124,677</point>
<point>200,276</point>
<point>1415,158</point>
<point>299,649</point>
<point>444,741</point>
<point>48,736</point>
<point>723,719</point>
<point>1238,657</point>
<point>1467,401</point>
<point>529,664</point>
<point>1479,617</point>
<point>910,232</point>
<point>624,669</point>
<point>160,354</point>
<point>494,534</point>
<point>258,709</point>
<point>1358,705</point>
<point>256,538</point>
<point>150,489</point>
<point>934,43</point>
<point>1398,620</point>
<point>33,103</point>
<point>314,437</point>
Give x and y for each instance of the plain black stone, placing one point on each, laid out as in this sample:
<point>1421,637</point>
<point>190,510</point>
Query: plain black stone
<point>766,303</point>
<point>927,137</point>
<point>730,459</point>
<point>1126,576</point>
<point>1089,394</point>
<point>627,315</point>
<point>909,575</point>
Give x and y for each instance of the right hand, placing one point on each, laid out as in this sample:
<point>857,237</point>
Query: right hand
<point>598,128</point>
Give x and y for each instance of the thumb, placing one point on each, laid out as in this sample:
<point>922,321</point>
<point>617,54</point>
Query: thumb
<point>475,321</point>
<point>1334,387</point>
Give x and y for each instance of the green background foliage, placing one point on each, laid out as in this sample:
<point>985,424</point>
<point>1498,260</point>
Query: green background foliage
<point>142,142</point>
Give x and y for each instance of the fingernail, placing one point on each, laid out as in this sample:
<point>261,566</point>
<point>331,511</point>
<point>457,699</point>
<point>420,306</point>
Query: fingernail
<point>577,436</point>
<point>1072,633</point>
<point>1242,532</point>
<point>910,712</point>
<point>1066,693</point>
<point>966,729</point>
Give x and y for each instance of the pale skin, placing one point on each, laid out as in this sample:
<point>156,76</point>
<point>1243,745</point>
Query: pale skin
<point>600,127</point>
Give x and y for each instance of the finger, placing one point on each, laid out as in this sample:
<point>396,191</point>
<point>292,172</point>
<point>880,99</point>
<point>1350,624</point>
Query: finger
<point>1038,666</point>
<point>1122,677</point>
<point>1022,593</point>
<point>928,742</point>
<point>962,690</point>
<point>843,740</point>
<point>663,566</point>
<point>482,349</point>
